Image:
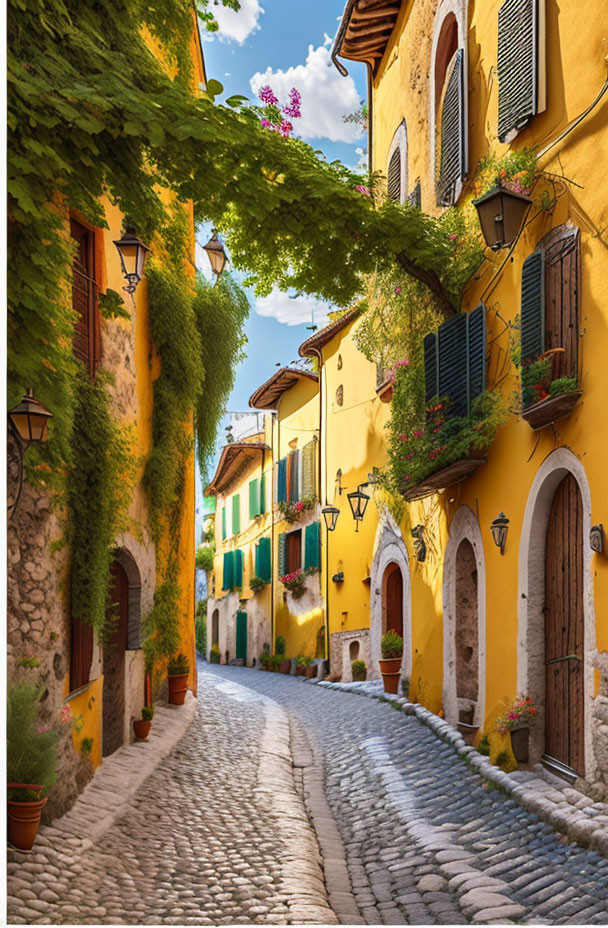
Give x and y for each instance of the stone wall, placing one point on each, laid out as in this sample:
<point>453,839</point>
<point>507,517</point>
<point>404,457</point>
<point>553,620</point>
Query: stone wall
<point>345,647</point>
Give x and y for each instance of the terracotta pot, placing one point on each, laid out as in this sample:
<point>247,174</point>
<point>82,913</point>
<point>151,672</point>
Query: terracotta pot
<point>285,667</point>
<point>390,668</point>
<point>178,687</point>
<point>520,742</point>
<point>311,671</point>
<point>300,670</point>
<point>141,729</point>
<point>23,822</point>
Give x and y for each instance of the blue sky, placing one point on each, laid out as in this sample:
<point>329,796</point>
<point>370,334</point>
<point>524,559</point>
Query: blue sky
<point>285,43</point>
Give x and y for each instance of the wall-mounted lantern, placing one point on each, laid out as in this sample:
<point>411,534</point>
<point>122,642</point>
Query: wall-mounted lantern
<point>419,544</point>
<point>339,481</point>
<point>338,578</point>
<point>596,538</point>
<point>501,214</point>
<point>330,514</point>
<point>133,254</point>
<point>358,503</point>
<point>216,253</point>
<point>499,529</point>
<point>27,423</point>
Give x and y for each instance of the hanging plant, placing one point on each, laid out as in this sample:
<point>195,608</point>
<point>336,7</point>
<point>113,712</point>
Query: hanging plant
<point>291,512</point>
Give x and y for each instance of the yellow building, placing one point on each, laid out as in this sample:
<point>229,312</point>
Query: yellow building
<point>238,616</point>
<point>452,82</point>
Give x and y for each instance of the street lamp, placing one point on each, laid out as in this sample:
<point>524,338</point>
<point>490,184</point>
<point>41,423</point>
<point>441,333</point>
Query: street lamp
<point>330,514</point>
<point>501,214</point>
<point>216,253</point>
<point>27,423</point>
<point>499,529</point>
<point>133,254</point>
<point>358,503</point>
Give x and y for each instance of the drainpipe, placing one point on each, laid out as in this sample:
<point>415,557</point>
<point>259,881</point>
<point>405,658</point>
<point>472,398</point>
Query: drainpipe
<point>272,557</point>
<point>322,451</point>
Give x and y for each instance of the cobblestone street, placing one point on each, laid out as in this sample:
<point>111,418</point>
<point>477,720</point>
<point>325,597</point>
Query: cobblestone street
<point>219,833</point>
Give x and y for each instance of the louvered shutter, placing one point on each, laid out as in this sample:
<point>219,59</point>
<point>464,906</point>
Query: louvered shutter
<point>312,546</point>
<point>415,198</point>
<point>256,561</point>
<point>264,555</point>
<point>430,367</point>
<point>561,303</point>
<point>519,36</point>
<point>262,508</point>
<point>294,477</point>
<point>81,653</point>
<point>224,529</point>
<point>238,568</point>
<point>254,498</point>
<point>282,481</point>
<point>452,156</point>
<point>87,331</point>
<point>394,176</point>
<point>282,554</point>
<point>228,575</point>
<point>532,317</point>
<point>308,469</point>
<point>236,514</point>
<point>452,357</point>
<point>476,331</point>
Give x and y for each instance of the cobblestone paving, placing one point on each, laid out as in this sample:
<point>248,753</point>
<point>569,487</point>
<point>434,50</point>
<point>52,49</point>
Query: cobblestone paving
<point>209,839</point>
<point>427,842</point>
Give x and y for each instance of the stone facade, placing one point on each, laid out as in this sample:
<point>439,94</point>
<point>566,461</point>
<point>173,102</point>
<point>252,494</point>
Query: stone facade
<point>345,647</point>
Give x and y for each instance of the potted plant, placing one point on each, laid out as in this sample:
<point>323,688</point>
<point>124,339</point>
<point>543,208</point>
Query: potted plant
<point>214,654</point>
<point>517,721</point>
<point>177,675</point>
<point>265,660</point>
<point>301,664</point>
<point>141,726</point>
<point>311,671</point>
<point>274,662</point>
<point>294,583</point>
<point>257,585</point>
<point>31,761</point>
<point>391,646</point>
<point>359,671</point>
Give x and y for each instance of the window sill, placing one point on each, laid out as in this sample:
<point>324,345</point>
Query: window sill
<point>441,479</point>
<point>547,411</point>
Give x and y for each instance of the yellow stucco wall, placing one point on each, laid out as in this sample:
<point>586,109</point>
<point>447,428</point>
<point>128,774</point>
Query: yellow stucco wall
<point>401,90</point>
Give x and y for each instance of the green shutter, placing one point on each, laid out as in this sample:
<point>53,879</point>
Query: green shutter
<point>263,556</point>
<point>256,561</point>
<point>476,341</point>
<point>517,65</point>
<point>452,356</point>
<point>241,636</point>
<point>236,513</point>
<point>224,531</point>
<point>262,508</point>
<point>228,579</point>
<point>254,498</point>
<point>282,555</point>
<point>312,546</point>
<point>532,321</point>
<point>238,568</point>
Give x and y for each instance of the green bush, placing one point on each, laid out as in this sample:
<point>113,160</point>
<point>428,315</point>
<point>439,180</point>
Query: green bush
<point>359,670</point>
<point>147,713</point>
<point>178,665</point>
<point>502,759</point>
<point>303,661</point>
<point>86,747</point>
<point>484,746</point>
<point>391,645</point>
<point>280,645</point>
<point>265,659</point>
<point>204,557</point>
<point>257,585</point>
<point>275,661</point>
<point>214,654</point>
<point>31,748</point>
<point>563,385</point>
<point>200,626</point>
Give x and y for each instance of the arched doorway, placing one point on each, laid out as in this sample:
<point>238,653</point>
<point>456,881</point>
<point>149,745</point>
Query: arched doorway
<point>392,600</point>
<point>114,661</point>
<point>564,631</point>
<point>466,632</point>
<point>215,628</point>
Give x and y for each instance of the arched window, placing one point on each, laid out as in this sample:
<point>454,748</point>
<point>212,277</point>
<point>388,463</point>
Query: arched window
<point>448,101</point>
<point>397,166</point>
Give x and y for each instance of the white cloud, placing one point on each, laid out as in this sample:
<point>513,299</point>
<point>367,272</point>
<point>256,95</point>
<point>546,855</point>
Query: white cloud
<point>236,26</point>
<point>326,96</point>
<point>292,310</point>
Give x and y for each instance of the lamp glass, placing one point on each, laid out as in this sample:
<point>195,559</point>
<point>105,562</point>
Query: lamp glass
<point>30,419</point>
<point>133,254</point>
<point>501,214</point>
<point>499,529</point>
<point>216,253</point>
<point>330,514</point>
<point>358,503</point>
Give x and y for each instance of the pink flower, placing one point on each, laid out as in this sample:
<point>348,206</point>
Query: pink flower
<point>285,128</point>
<point>404,363</point>
<point>397,290</point>
<point>43,728</point>
<point>265,123</point>
<point>267,96</point>
<point>360,188</point>
<point>418,433</point>
<point>295,100</point>
<point>403,437</point>
<point>299,506</point>
<point>452,237</point>
<point>66,714</point>
<point>409,456</point>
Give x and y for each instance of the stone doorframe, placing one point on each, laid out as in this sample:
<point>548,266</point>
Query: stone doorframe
<point>389,548</point>
<point>531,596</point>
<point>464,526</point>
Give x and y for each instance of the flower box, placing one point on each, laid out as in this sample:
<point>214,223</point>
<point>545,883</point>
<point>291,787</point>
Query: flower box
<point>385,390</point>
<point>547,411</point>
<point>441,479</point>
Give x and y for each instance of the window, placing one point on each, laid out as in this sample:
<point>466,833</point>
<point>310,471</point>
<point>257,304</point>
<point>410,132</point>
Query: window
<point>81,653</point>
<point>550,295</point>
<point>233,570</point>
<point>448,104</point>
<point>290,552</point>
<point>257,496</point>
<point>87,332</point>
<point>455,361</point>
<point>397,166</point>
<point>520,65</point>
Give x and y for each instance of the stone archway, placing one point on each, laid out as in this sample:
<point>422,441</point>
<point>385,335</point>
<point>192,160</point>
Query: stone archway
<point>390,552</point>
<point>129,565</point>
<point>464,621</point>
<point>531,671</point>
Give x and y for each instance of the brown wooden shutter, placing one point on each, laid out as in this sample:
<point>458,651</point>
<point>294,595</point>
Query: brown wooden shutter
<point>87,331</point>
<point>452,135</point>
<point>81,653</point>
<point>394,176</point>
<point>519,37</point>
<point>562,302</point>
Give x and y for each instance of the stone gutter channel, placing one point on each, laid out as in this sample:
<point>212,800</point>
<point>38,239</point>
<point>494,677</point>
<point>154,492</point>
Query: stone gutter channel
<point>568,811</point>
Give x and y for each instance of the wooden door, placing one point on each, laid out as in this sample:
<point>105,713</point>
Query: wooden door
<point>564,630</point>
<point>114,663</point>
<point>294,551</point>
<point>394,599</point>
<point>215,627</point>
<point>241,636</point>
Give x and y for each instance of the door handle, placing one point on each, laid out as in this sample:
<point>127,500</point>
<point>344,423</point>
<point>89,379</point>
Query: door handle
<point>567,657</point>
